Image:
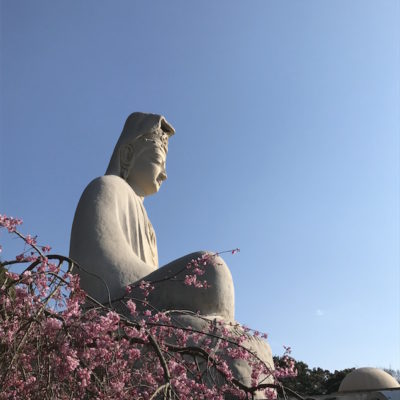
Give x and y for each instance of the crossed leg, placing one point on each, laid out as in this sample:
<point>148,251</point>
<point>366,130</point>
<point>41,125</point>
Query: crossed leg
<point>171,293</point>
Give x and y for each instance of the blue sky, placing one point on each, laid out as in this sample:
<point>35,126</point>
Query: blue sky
<point>287,146</point>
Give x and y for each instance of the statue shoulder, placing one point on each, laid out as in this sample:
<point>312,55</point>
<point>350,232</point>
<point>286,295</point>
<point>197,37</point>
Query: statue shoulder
<point>108,184</point>
<point>108,181</point>
<point>106,190</point>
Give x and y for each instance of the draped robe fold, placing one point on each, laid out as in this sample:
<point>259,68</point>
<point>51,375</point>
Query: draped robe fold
<point>112,238</point>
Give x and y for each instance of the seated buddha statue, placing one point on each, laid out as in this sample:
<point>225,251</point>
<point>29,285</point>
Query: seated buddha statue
<point>114,243</point>
<point>113,239</point>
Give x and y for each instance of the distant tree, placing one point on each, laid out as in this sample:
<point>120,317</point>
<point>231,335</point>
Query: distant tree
<point>335,379</point>
<point>313,381</point>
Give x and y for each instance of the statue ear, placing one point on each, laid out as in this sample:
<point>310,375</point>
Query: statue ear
<point>125,157</point>
<point>126,154</point>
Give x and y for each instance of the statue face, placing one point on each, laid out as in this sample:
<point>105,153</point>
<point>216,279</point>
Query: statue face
<point>147,170</point>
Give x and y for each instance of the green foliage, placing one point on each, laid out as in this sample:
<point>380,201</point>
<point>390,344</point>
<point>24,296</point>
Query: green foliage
<point>316,381</point>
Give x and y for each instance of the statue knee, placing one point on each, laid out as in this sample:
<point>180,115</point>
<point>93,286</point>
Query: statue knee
<point>213,265</point>
<point>219,279</point>
<point>178,293</point>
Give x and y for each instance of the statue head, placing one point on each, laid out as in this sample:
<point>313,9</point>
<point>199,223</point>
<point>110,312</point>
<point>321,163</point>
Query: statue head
<point>140,154</point>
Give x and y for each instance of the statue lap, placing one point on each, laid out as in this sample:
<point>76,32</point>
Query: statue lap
<point>171,293</point>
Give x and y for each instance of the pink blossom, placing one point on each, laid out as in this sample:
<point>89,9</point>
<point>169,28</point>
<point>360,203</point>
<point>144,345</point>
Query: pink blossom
<point>12,275</point>
<point>30,240</point>
<point>68,351</point>
<point>131,307</point>
<point>53,324</point>
<point>9,223</point>
<point>190,280</point>
<point>128,289</point>
<point>20,257</point>
<point>27,277</point>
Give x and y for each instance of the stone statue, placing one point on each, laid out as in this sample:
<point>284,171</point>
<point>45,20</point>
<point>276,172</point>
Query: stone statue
<point>112,236</point>
<point>113,240</point>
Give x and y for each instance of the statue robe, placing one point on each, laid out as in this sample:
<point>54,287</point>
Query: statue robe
<point>112,238</point>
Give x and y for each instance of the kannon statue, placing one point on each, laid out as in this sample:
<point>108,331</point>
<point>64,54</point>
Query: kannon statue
<point>113,239</point>
<point>114,243</point>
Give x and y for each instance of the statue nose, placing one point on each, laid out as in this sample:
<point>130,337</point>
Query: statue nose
<point>163,176</point>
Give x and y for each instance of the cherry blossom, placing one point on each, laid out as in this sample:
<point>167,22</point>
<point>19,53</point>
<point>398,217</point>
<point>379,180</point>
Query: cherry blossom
<point>59,343</point>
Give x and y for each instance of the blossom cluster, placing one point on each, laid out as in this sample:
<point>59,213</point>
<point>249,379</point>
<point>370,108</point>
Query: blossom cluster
<point>9,223</point>
<point>197,268</point>
<point>58,343</point>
